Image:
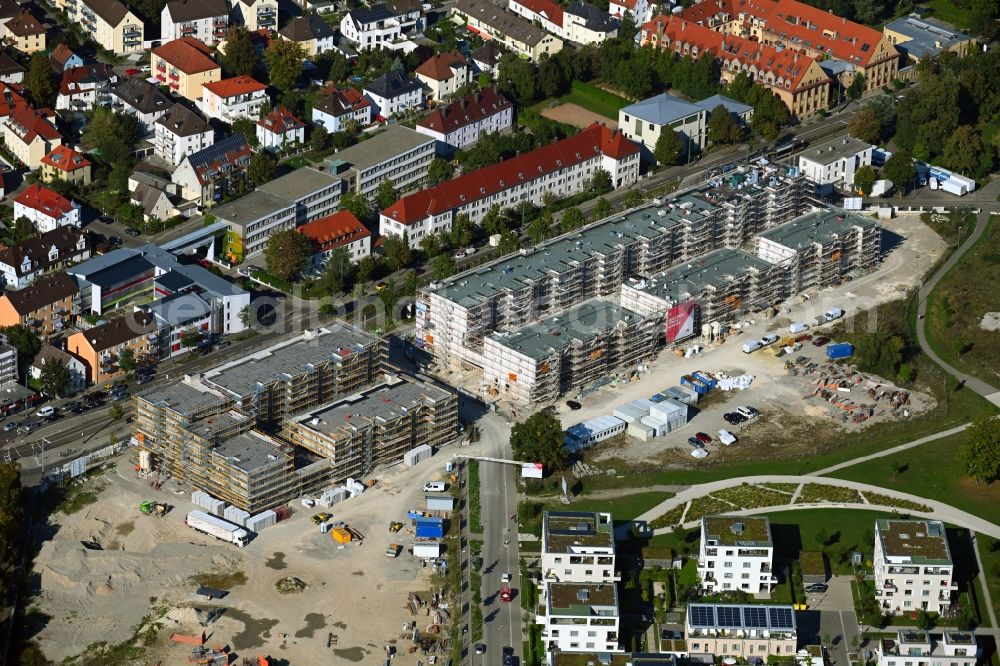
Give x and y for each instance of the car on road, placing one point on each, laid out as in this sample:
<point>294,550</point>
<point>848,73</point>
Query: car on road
<point>573,404</point>
<point>144,379</point>
<point>115,241</point>
<point>505,577</point>
<point>820,341</point>
<point>693,441</point>
<point>7,427</point>
<point>703,437</point>
<point>816,588</point>
<point>46,411</point>
<point>222,344</point>
<point>506,595</point>
<point>29,427</point>
<point>70,406</point>
<point>381,286</point>
<point>132,71</point>
<point>131,231</point>
<point>480,648</point>
<point>508,656</point>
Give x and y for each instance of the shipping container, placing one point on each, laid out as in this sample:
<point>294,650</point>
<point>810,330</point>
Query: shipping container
<point>839,350</point>
<point>427,549</point>
<point>706,377</point>
<point>700,387</point>
<point>417,455</point>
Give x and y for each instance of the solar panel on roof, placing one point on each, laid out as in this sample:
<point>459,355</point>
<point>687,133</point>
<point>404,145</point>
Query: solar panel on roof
<point>728,616</point>
<point>754,616</point>
<point>702,616</point>
<point>781,618</point>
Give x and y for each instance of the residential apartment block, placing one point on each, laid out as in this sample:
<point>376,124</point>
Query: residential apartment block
<point>516,33</point>
<point>399,155</point>
<point>24,262</point>
<point>913,566</point>
<point>29,135</point>
<point>108,22</point>
<point>371,27</point>
<point>394,93</point>
<point>578,546</point>
<point>736,553</point>
<point>576,347</point>
<point>578,22</point>
<point>181,132</point>
<point>744,632</point>
<point>100,347</point>
<point>834,163</point>
<point>8,364</point>
<point>280,130</point>
<point>218,169</point>
<point>912,647</point>
<point>641,11</point>
<point>462,122</point>
<point>314,193</point>
<point>255,14</point>
<point>231,99</point>
<point>444,74</point>
<point>81,88</point>
<point>644,121</point>
<point>204,20</point>
<point>46,209</point>
<point>142,99</point>
<point>560,169</point>
<point>25,33</point>
<point>48,306</point>
<point>185,65</point>
<point>66,164</point>
<point>49,354</point>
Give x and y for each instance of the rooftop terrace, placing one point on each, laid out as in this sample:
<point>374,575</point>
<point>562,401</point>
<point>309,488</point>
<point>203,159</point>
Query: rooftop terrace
<point>564,529</point>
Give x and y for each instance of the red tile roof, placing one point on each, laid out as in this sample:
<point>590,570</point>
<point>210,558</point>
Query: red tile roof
<point>488,181</point>
<point>280,121</point>
<point>465,111</point>
<point>66,159</point>
<point>440,66</point>
<point>786,65</point>
<point>187,54</point>
<point>10,99</point>
<point>795,24</point>
<point>29,124</point>
<point>74,79</point>
<point>237,85</point>
<point>335,230</point>
<point>549,9</point>
<point>339,102</point>
<point>61,53</point>
<point>45,201</point>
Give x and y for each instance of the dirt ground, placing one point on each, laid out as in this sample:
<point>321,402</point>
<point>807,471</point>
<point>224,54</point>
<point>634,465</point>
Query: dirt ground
<point>577,116</point>
<point>145,565</point>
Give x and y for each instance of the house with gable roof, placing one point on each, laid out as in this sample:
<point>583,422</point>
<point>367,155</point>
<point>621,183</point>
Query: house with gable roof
<point>81,88</point>
<point>444,73</point>
<point>24,262</point>
<point>46,208</point>
<point>342,104</point>
<point>181,132</point>
<point>64,163</point>
<point>142,99</point>
<point>312,33</point>
<point>280,129</point>
<point>205,176</point>
<point>462,122</point>
<point>204,20</point>
<point>30,136</point>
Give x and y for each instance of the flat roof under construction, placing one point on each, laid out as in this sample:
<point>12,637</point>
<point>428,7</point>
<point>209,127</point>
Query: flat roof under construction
<point>250,452</point>
<point>182,398</point>
<point>287,359</point>
<point>708,272</point>
<point>818,226</point>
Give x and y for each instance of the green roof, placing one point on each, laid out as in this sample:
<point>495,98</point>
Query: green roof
<point>751,531</point>
<point>922,541</point>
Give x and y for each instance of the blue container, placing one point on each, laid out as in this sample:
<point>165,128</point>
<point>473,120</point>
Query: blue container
<point>430,531</point>
<point>709,381</point>
<point>839,350</point>
<point>700,387</point>
<point>659,397</point>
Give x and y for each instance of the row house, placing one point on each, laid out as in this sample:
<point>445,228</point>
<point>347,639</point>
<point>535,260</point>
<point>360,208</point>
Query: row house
<point>341,105</point>
<point>204,20</point>
<point>47,306</point>
<point>181,132</point>
<point>462,122</point>
<point>312,33</point>
<point>108,22</point>
<point>46,209</point>
<point>749,632</point>
<point>333,232</point>
<point>518,34</point>
<point>24,262</point>
<point>25,33</point>
<point>280,129</point>
<point>255,15</point>
<point>796,78</point>
<point>83,88</point>
<point>394,93</point>
<point>100,347</point>
<point>231,99</point>
<point>184,65</point>
<point>30,136</point>
<point>913,647</point>
<point>142,99</point>
<point>808,31</point>
<point>559,169</point>
<point>210,173</point>
<point>65,164</point>
<point>578,22</point>
<point>444,74</point>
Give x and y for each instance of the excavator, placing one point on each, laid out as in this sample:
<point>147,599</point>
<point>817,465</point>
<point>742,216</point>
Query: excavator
<point>150,508</point>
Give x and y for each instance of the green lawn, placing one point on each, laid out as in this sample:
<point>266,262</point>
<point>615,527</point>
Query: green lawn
<point>589,97</point>
<point>846,531</point>
<point>944,10</point>
<point>931,471</point>
<point>989,552</point>
<point>623,509</point>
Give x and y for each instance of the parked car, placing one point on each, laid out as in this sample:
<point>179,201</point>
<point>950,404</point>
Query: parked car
<point>70,406</point>
<point>143,379</point>
<point>769,339</point>
<point>114,241</point>
<point>480,648</point>
<point>132,232</point>
<point>132,71</point>
<point>748,411</point>
<point>699,453</point>
<point>45,411</point>
<point>833,313</point>
<point>381,286</point>
<point>573,404</point>
<point>7,427</point>
<point>816,588</point>
<point>693,441</point>
<point>703,437</point>
<point>820,341</point>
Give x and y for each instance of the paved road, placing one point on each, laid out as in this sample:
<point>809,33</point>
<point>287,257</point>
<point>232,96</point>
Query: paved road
<point>973,383</point>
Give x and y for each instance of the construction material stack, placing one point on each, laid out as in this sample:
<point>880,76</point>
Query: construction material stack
<point>261,521</point>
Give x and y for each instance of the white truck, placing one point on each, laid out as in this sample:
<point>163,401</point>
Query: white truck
<point>217,527</point>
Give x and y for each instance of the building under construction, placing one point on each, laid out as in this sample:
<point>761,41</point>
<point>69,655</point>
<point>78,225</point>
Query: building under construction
<point>822,248</point>
<point>541,361</point>
<point>454,316</point>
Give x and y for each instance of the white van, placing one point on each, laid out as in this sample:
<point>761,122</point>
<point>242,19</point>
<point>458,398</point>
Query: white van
<point>768,339</point>
<point>833,313</point>
<point>752,346</point>
<point>45,412</point>
<point>435,487</point>
<point>798,327</point>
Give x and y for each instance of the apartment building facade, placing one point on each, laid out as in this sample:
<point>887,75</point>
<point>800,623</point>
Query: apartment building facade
<point>25,33</point>
<point>46,209</point>
<point>914,569</point>
<point>100,347</point>
<point>516,33</point>
<point>341,105</point>
<point>444,74</point>
<point>399,155</point>
<point>744,632</point>
<point>834,163</point>
<point>255,14</point>
<point>142,99</point>
<point>339,230</point>
<point>580,617</point>
<point>578,22</point>
<point>578,546</point>
<point>24,262</point>
<point>30,135</point>
<point>394,93</point>
<point>913,647</point>
<point>462,122</point>
<point>371,27</point>
<point>559,169</point>
<point>48,306</point>
<point>108,22</point>
<point>204,20</point>
<point>184,65</point>
<point>181,132</point>
<point>230,99</point>
<point>736,553</point>
<point>220,168</point>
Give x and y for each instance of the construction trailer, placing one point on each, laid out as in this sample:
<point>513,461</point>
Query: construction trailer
<point>592,431</point>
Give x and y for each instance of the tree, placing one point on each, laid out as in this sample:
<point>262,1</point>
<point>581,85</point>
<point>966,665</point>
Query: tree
<point>319,138</point>
<point>632,199</point>
<point>601,181</point>
<point>865,125</point>
<point>245,316</point>
<point>964,152</point>
<point>55,378</point>
<point>551,77</point>
<point>439,171</point>
<point>113,134</point>
<point>924,620</point>
<point>979,452</point>
<point>397,250</point>
<point>339,272</point>
<point>516,78</point>
<point>539,438</point>
<point>722,127</point>
<point>496,220</point>
<point>864,179</point>
<point>460,234</point>
<point>22,229</point>
<point>668,147</point>
<point>190,338</point>
<point>357,204</point>
<point>601,208</point>
<point>509,242</point>
<point>857,87</point>
<point>248,128</point>
<point>126,361</point>
<point>261,169</point>
<point>24,340</point>
<point>287,253</point>
<point>116,413</point>
<point>900,170</point>
<point>443,267</point>
<point>366,268</point>
<point>241,57</point>
<point>284,63</point>
<point>40,80</point>
<point>896,467</point>
<point>572,219</point>
<point>385,195</point>
<point>540,228</point>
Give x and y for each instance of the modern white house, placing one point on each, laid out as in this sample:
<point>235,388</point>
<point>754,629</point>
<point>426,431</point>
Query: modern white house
<point>641,11</point>
<point>736,553</point>
<point>394,93</point>
<point>46,209</point>
<point>462,122</point>
<point>578,546</point>
<point>580,617</point>
<point>340,105</point>
<point>578,22</point>
<point>371,27</point>
<point>181,132</point>
<point>913,566</point>
<point>205,20</point>
<point>913,647</point>
<point>399,155</point>
<point>280,129</point>
<point>750,632</point>
<point>444,74</point>
<point>230,99</point>
<point>83,87</point>
<point>645,121</point>
<point>833,164</point>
